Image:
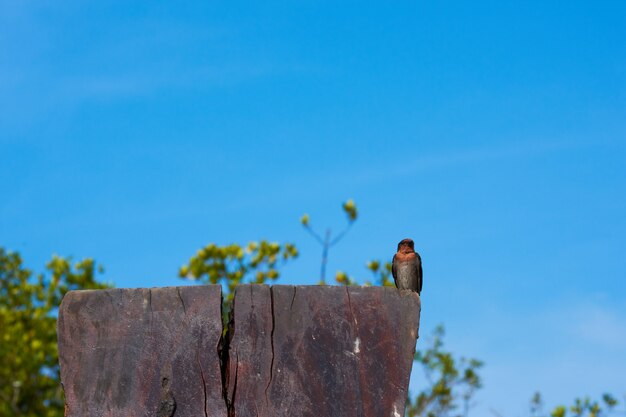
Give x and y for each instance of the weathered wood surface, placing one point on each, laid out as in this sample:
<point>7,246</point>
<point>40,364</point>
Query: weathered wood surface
<point>321,351</point>
<point>142,352</point>
<point>291,351</point>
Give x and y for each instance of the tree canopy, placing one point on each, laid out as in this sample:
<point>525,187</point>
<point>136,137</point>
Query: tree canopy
<point>29,369</point>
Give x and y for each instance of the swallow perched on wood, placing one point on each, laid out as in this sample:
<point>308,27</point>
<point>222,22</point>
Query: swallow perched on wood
<point>406,267</point>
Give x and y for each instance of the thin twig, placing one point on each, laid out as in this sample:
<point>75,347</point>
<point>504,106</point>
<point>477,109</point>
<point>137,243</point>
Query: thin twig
<point>340,235</point>
<point>315,235</point>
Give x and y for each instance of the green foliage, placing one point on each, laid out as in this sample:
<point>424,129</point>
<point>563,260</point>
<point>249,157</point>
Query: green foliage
<point>380,271</point>
<point>233,264</point>
<point>343,278</point>
<point>582,407</point>
<point>536,405</point>
<point>559,411</point>
<point>29,370</point>
<point>452,381</point>
<point>350,208</point>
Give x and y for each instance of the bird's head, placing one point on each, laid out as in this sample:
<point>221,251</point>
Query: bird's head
<point>406,245</point>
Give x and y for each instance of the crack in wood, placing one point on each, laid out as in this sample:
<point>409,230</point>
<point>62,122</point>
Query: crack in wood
<point>271,344</point>
<point>206,414</point>
<point>182,301</point>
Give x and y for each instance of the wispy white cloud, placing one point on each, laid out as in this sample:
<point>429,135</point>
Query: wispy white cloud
<point>573,346</point>
<point>107,86</point>
<point>590,322</point>
<point>410,165</point>
<point>597,324</point>
<point>148,58</point>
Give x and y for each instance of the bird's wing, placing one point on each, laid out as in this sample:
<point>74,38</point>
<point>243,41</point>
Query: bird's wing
<point>393,269</point>
<point>419,273</point>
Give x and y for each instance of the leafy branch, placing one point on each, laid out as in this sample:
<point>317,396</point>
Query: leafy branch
<point>582,407</point>
<point>328,241</point>
<point>452,382</point>
<point>231,265</point>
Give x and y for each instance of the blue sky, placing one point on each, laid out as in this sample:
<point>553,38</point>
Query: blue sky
<point>491,132</point>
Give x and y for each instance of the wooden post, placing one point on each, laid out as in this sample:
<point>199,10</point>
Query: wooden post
<point>318,351</point>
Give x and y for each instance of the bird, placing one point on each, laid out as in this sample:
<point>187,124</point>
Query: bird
<point>406,267</point>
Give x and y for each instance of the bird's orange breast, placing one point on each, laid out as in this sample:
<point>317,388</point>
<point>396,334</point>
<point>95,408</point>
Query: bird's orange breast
<point>405,256</point>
